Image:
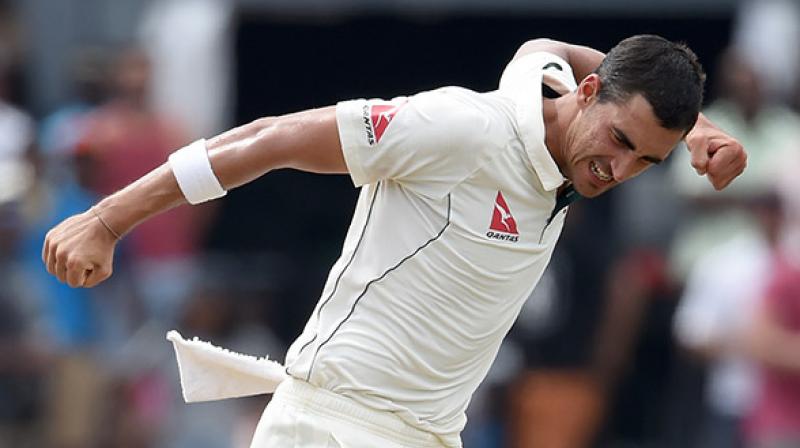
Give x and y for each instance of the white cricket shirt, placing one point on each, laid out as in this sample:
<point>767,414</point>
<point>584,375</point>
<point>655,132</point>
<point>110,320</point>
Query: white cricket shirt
<point>451,232</point>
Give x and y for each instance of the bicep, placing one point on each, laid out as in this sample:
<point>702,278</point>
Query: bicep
<point>307,141</point>
<point>583,60</point>
<point>427,142</point>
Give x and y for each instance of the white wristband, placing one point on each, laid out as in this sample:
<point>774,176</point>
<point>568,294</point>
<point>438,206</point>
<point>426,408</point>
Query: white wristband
<point>193,171</point>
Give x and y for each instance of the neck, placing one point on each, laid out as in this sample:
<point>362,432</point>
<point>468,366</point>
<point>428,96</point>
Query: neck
<point>558,114</point>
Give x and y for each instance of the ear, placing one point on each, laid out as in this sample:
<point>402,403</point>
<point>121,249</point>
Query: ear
<point>588,89</point>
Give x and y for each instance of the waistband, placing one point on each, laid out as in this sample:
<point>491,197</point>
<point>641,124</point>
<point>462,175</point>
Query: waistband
<point>325,403</point>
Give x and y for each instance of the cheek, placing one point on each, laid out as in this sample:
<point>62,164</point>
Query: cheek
<point>588,144</point>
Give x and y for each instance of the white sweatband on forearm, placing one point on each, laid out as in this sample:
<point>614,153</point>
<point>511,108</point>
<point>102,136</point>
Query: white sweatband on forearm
<point>193,171</point>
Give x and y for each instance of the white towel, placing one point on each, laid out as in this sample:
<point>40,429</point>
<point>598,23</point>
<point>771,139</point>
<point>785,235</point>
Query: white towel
<point>210,373</point>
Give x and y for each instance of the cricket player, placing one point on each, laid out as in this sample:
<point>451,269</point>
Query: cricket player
<point>463,197</point>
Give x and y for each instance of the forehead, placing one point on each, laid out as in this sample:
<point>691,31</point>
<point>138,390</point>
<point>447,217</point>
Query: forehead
<point>637,120</point>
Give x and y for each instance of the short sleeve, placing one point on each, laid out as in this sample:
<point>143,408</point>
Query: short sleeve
<point>428,142</point>
<point>532,67</point>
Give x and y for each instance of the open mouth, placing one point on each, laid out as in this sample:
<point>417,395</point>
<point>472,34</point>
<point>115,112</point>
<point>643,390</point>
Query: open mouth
<point>599,173</point>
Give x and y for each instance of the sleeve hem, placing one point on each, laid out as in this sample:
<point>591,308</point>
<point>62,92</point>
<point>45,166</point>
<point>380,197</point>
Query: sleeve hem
<point>348,137</point>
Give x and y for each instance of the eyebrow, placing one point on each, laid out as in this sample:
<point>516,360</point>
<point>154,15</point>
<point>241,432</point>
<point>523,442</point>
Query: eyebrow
<point>627,142</point>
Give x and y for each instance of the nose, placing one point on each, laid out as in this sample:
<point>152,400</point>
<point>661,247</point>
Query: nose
<point>624,166</point>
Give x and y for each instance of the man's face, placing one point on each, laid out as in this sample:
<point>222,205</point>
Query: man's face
<point>609,143</point>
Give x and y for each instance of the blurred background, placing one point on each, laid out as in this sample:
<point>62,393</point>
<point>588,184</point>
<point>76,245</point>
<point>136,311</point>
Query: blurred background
<point>670,314</point>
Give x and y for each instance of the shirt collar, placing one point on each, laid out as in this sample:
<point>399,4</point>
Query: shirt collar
<point>522,81</point>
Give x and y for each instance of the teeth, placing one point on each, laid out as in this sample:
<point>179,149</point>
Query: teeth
<point>600,174</point>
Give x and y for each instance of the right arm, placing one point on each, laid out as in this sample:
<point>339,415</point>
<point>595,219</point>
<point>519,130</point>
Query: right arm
<point>79,251</point>
<point>583,60</point>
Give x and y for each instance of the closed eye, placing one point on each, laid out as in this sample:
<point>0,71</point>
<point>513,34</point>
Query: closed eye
<point>623,139</point>
<point>619,137</point>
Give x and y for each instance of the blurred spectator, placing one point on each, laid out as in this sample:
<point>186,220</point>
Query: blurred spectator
<point>68,316</point>
<point>764,30</point>
<point>766,129</point>
<point>190,44</point>
<point>633,358</point>
<point>62,130</point>
<point>23,358</point>
<point>721,248</point>
<point>788,186</point>
<point>715,310</point>
<point>125,139</point>
<point>774,341</point>
<point>557,400</point>
<point>16,138</point>
<point>774,336</point>
<point>61,189</point>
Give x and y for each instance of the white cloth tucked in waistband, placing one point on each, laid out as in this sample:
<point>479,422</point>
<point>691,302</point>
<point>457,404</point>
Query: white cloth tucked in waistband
<point>211,373</point>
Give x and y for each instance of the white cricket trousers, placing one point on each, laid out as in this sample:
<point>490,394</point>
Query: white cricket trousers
<point>304,416</point>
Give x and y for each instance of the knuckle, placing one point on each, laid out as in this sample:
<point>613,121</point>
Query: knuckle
<point>73,261</point>
<point>103,272</point>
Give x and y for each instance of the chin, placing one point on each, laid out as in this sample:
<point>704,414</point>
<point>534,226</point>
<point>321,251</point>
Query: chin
<point>589,190</point>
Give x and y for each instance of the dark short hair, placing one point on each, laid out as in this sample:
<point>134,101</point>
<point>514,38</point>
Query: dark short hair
<point>667,74</point>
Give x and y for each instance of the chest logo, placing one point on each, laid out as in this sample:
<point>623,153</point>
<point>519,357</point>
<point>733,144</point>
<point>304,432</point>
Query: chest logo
<point>503,226</point>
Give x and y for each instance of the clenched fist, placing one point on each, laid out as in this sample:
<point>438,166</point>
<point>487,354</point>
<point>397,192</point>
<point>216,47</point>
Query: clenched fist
<point>715,154</point>
<point>80,250</point>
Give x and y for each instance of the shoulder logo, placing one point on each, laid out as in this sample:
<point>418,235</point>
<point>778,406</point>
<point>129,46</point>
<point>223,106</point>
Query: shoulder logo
<point>503,226</point>
<point>377,117</point>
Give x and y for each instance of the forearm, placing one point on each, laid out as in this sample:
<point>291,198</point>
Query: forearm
<point>307,141</point>
<point>775,346</point>
<point>158,191</point>
<point>150,195</point>
<point>702,123</point>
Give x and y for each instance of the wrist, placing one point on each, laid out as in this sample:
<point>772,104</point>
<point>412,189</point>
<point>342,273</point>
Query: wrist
<point>192,170</point>
<point>112,216</point>
<point>702,123</point>
<point>105,223</point>
<point>154,193</point>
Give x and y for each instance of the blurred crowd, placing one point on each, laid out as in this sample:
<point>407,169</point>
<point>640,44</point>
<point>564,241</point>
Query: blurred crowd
<point>669,317</point>
<point>91,368</point>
